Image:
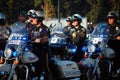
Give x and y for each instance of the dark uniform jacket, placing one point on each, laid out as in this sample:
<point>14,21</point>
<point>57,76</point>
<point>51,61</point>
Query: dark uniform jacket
<point>67,32</point>
<point>78,35</point>
<point>40,32</point>
<point>114,43</point>
<point>4,35</point>
<point>66,29</point>
<point>40,49</point>
<point>114,32</point>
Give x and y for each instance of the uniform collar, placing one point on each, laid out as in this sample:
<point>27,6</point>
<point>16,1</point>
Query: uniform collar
<point>39,25</point>
<point>77,27</point>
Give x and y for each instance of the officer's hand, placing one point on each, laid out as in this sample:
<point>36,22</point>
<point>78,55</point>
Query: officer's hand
<point>81,34</point>
<point>45,39</point>
<point>118,38</point>
<point>37,40</point>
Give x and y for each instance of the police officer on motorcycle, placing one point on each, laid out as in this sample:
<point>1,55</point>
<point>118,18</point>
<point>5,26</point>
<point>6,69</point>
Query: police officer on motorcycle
<point>4,31</point>
<point>40,35</point>
<point>28,22</point>
<point>69,25</point>
<point>114,43</point>
<point>67,28</point>
<point>22,17</point>
<point>78,35</point>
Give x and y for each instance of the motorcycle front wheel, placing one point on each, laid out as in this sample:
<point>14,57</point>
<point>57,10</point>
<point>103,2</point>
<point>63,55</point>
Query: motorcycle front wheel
<point>90,76</point>
<point>6,77</point>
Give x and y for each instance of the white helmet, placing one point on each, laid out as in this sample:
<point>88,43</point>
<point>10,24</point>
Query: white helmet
<point>77,17</point>
<point>35,13</point>
<point>69,18</point>
<point>31,12</point>
<point>2,16</point>
<point>39,13</point>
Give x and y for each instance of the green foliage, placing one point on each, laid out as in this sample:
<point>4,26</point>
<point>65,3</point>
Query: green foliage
<point>95,10</point>
<point>37,2</point>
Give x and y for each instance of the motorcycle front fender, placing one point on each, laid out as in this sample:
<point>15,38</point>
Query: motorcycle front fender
<point>29,57</point>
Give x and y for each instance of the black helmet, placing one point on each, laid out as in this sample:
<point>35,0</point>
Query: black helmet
<point>112,14</point>
<point>77,17</point>
<point>69,18</point>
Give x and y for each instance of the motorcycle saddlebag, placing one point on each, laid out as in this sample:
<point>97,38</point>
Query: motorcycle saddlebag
<point>67,69</point>
<point>5,68</point>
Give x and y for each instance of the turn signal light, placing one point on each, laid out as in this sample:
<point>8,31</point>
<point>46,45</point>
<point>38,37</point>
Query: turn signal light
<point>1,61</point>
<point>99,57</point>
<point>85,56</point>
<point>16,61</point>
<point>80,63</point>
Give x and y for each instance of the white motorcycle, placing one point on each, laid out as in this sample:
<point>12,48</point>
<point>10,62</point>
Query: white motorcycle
<point>96,61</point>
<point>17,59</point>
<point>61,66</point>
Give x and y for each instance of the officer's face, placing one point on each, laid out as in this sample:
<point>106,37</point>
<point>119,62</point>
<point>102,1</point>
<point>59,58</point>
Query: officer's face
<point>111,21</point>
<point>30,19</point>
<point>68,23</point>
<point>21,18</point>
<point>75,23</point>
<point>34,21</point>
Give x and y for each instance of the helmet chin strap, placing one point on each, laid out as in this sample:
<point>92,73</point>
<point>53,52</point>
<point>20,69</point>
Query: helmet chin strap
<point>77,26</point>
<point>39,24</point>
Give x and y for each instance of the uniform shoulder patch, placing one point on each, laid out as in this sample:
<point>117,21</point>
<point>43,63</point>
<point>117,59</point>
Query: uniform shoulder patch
<point>83,29</point>
<point>46,29</point>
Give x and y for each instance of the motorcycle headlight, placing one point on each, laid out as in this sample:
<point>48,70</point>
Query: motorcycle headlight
<point>91,48</point>
<point>72,48</point>
<point>8,53</point>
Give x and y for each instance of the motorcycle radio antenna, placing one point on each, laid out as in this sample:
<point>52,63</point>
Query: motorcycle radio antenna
<point>58,11</point>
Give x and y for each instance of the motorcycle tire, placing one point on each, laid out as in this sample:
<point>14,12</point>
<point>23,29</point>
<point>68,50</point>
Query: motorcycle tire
<point>13,77</point>
<point>90,76</point>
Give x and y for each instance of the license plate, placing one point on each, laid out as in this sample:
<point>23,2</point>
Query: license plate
<point>16,42</point>
<point>54,40</point>
<point>72,73</point>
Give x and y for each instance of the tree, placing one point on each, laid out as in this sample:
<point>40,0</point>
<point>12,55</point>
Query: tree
<point>94,10</point>
<point>47,6</point>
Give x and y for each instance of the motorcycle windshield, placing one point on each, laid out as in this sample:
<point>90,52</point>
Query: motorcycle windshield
<point>19,28</point>
<point>58,36</point>
<point>100,35</point>
<point>18,37</point>
<point>58,31</point>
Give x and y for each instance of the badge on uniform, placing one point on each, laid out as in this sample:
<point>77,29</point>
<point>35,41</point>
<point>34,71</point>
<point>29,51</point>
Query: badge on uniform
<point>74,35</point>
<point>40,29</point>
<point>117,28</point>
<point>46,29</point>
<point>83,29</point>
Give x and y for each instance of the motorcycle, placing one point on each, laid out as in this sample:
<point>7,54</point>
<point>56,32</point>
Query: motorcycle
<point>61,66</point>
<point>17,59</point>
<point>97,63</point>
